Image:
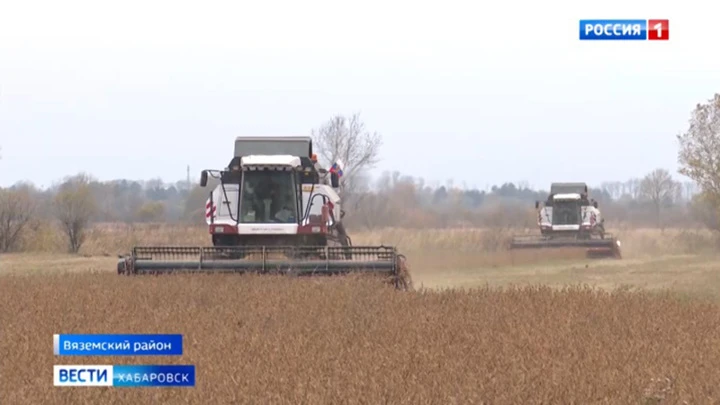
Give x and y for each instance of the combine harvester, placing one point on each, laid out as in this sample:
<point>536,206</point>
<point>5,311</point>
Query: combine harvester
<point>275,211</point>
<point>569,219</point>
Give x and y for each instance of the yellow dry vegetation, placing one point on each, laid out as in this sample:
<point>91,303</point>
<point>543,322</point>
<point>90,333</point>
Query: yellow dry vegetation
<point>113,239</point>
<point>524,330</point>
<point>280,340</point>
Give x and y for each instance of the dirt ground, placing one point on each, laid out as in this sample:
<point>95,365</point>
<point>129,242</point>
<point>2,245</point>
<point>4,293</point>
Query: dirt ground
<point>695,275</point>
<point>690,274</point>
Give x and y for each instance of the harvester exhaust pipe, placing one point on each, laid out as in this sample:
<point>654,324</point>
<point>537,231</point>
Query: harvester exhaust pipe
<point>290,260</point>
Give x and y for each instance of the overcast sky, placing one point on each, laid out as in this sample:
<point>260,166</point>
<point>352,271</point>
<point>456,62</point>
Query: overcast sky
<point>480,94</point>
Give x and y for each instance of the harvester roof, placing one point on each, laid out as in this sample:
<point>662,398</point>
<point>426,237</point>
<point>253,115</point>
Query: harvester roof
<point>300,146</point>
<point>568,188</point>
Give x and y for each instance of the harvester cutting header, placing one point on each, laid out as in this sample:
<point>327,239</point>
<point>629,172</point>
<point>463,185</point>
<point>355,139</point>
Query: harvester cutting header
<point>275,209</point>
<point>570,218</point>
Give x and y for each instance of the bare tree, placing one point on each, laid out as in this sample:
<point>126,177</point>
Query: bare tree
<point>660,189</point>
<point>632,188</point>
<point>699,154</point>
<point>17,207</point>
<point>74,206</point>
<point>347,140</point>
<point>689,190</point>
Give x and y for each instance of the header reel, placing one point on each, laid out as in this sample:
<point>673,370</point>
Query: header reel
<point>607,247</point>
<point>284,260</point>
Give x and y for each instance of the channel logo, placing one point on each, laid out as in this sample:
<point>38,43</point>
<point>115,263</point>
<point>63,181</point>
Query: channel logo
<point>624,30</point>
<point>83,376</point>
<point>152,375</point>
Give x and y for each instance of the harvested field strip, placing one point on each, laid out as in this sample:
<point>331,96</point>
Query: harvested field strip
<point>117,238</point>
<point>350,340</point>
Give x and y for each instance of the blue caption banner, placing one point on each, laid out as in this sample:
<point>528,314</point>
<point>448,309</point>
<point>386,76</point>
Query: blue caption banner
<point>117,345</point>
<point>124,375</point>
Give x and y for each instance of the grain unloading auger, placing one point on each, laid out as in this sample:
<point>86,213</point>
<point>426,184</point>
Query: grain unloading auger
<point>275,211</point>
<point>568,219</point>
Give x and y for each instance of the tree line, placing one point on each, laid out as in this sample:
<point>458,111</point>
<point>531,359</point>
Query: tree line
<point>393,199</point>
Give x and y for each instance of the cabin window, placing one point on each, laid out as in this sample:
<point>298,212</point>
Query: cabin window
<point>268,196</point>
<point>566,212</point>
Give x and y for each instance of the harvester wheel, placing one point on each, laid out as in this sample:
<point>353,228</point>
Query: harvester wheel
<point>345,240</point>
<point>125,266</point>
<point>403,280</point>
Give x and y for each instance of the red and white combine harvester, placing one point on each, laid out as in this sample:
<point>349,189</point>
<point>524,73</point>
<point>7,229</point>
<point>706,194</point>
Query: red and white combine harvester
<point>569,219</point>
<point>275,210</point>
